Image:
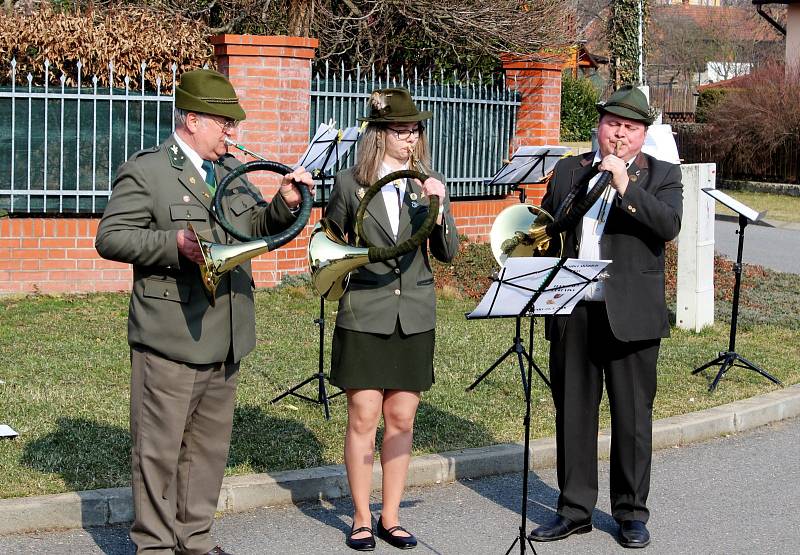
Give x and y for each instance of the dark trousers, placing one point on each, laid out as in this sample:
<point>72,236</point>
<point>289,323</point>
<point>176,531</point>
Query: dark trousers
<point>181,421</point>
<point>584,352</point>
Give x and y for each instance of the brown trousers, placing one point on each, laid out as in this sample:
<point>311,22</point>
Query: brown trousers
<point>181,420</point>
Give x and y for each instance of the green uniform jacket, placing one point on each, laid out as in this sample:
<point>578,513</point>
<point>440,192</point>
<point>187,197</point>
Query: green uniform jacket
<point>156,193</point>
<point>381,293</point>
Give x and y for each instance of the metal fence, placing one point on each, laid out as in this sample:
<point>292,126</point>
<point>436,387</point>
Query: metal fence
<point>470,132</point>
<point>60,146</point>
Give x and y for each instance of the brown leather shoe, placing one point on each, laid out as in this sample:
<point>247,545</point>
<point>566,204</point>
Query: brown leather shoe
<point>218,551</point>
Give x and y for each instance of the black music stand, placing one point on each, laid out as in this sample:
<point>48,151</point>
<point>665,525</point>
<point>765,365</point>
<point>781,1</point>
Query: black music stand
<point>328,148</point>
<point>528,287</point>
<point>730,358</point>
<point>528,164</point>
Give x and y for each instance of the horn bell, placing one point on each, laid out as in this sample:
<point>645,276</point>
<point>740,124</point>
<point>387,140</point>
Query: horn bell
<point>331,259</point>
<point>520,230</point>
<point>219,259</point>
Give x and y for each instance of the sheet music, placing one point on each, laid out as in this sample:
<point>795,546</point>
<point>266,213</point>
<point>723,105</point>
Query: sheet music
<point>521,277</point>
<point>314,156</point>
<point>529,164</point>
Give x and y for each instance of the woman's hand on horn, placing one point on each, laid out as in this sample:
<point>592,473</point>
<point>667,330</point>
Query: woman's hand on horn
<point>433,186</point>
<point>290,183</point>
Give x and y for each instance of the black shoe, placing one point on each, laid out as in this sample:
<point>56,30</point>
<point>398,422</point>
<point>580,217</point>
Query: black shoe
<point>560,528</point>
<point>400,542</point>
<point>361,544</point>
<point>633,533</point>
<point>218,551</point>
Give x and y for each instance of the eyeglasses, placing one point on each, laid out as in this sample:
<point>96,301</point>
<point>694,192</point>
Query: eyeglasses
<point>227,125</point>
<point>404,134</point>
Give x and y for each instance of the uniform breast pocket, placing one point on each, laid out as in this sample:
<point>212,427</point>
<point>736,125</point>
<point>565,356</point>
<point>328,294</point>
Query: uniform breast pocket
<point>241,204</point>
<point>188,212</point>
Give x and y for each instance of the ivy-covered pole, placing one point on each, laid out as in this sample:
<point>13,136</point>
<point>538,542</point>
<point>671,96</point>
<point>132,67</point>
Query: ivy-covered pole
<point>626,37</point>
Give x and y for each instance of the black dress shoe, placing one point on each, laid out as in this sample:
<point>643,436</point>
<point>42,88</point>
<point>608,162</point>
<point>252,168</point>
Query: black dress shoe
<point>218,551</point>
<point>361,544</point>
<point>400,542</point>
<point>633,533</point>
<point>560,528</point>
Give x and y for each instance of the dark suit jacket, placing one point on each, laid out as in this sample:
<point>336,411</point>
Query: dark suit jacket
<point>637,228</point>
<point>156,193</point>
<point>380,293</point>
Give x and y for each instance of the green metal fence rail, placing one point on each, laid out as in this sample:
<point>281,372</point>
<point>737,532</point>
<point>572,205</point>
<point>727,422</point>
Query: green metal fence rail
<point>472,126</point>
<point>60,147</point>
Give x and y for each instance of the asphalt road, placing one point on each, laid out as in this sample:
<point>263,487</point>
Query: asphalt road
<point>777,248</point>
<point>733,495</point>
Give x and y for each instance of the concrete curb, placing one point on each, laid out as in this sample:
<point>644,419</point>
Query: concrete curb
<point>114,506</point>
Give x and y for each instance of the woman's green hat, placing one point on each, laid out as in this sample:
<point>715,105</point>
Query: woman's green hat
<point>208,92</point>
<point>628,102</point>
<point>393,106</point>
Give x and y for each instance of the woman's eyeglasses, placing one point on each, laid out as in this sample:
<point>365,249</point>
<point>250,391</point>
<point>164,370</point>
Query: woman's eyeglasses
<point>404,134</point>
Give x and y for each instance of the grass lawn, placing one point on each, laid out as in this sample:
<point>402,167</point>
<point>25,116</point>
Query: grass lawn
<point>64,378</point>
<point>780,208</point>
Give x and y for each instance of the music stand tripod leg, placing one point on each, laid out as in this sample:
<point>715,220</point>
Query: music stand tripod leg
<point>516,347</point>
<point>756,368</point>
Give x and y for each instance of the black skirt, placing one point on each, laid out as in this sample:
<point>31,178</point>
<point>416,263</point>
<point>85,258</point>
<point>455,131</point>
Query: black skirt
<point>361,360</point>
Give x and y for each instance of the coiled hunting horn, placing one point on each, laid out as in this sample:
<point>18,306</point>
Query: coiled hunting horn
<point>331,258</point>
<point>528,230</point>
<point>220,259</point>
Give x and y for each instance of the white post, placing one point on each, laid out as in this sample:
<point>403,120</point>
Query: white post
<point>695,302</point>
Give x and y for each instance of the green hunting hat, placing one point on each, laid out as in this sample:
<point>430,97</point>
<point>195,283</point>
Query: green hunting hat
<point>628,102</point>
<point>208,92</point>
<point>393,106</point>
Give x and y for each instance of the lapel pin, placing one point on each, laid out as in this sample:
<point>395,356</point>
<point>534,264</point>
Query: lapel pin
<point>192,180</point>
<point>414,204</point>
<point>205,194</point>
<point>360,193</point>
<point>633,177</point>
<point>174,149</point>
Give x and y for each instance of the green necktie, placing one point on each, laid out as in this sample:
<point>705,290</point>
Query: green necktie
<point>211,181</point>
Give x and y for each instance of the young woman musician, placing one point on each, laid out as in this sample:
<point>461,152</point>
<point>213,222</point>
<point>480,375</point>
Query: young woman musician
<point>383,342</point>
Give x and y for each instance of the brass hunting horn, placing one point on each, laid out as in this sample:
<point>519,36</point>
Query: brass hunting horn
<point>332,259</point>
<point>528,230</point>
<point>220,259</point>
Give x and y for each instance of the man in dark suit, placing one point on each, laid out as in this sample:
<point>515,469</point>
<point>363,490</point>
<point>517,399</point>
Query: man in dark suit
<point>614,333</point>
<point>185,351</point>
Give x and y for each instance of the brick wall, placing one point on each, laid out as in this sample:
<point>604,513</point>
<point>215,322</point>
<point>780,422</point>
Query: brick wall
<point>57,255</point>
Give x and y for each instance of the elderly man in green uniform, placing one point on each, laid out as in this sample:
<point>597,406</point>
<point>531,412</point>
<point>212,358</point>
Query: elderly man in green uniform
<point>185,352</point>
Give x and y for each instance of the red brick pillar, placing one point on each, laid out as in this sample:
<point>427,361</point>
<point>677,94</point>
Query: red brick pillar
<point>539,116</point>
<point>273,78</point>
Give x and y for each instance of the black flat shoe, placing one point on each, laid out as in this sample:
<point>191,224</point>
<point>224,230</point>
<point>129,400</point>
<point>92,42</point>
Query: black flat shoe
<point>559,528</point>
<point>633,533</point>
<point>400,542</point>
<point>361,544</point>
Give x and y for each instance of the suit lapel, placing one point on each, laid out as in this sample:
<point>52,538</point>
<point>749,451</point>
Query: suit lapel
<point>377,211</point>
<point>188,176</point>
